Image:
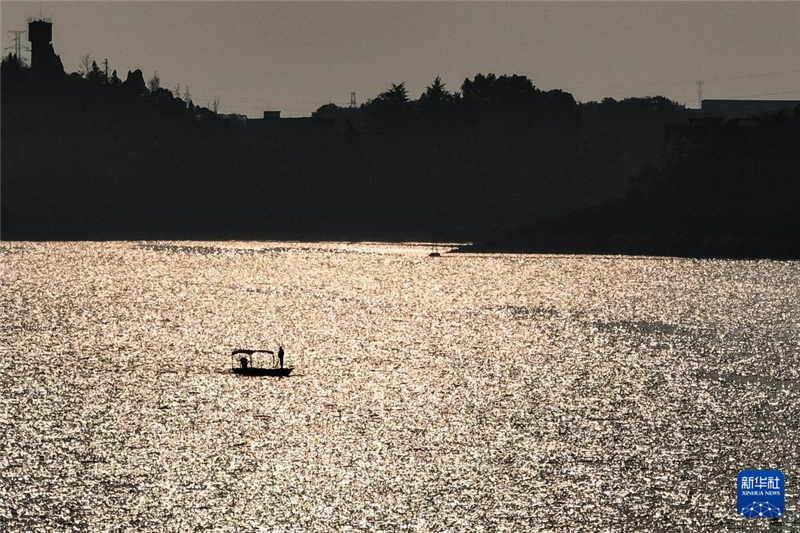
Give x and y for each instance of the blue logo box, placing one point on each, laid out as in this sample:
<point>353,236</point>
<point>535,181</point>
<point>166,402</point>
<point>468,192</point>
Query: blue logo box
<point>760,493</point>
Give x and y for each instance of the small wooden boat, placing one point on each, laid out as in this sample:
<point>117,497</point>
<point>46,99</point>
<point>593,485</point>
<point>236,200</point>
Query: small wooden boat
<point>248,367</point>
<point>256,371</point>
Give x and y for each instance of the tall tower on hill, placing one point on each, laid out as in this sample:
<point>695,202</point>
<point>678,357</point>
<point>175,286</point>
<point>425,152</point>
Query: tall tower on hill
<point>40,34</point>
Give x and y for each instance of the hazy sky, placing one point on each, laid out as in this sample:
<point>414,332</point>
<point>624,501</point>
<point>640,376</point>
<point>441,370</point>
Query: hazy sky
<point>295,56</point>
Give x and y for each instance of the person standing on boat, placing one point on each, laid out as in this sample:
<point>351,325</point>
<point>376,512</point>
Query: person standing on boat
<point>280,356</point>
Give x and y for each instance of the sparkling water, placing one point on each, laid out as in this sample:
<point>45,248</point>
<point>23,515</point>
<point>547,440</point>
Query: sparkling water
<point>466,392</point>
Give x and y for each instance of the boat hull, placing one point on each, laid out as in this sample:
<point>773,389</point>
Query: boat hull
<point>249,371</point>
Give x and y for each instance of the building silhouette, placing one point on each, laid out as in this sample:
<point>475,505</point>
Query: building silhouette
<point>272,126</point>
<point>746,109</point>
<point>40,34</point>
<point>43,56</point>
<point>713,124</point>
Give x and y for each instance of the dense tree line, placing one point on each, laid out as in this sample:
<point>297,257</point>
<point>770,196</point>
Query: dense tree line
<point>92,156</point>
<point>735,192</point>
<point>501,152</point>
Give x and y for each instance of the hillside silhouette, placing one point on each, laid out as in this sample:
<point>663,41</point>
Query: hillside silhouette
<point>499,162</point>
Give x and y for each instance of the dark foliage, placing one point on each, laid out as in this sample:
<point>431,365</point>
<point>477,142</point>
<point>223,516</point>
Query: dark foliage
<point>95,157</point>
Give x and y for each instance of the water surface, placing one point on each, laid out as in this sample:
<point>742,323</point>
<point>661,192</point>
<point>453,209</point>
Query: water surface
<point>467,392</point>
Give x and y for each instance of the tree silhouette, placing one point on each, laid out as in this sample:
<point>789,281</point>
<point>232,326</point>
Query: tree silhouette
<point>478,90</point>
<point>12,63</point>
<point>95,75</point>
<point>506,92</point>
<point>85,64</point>
<point>504,153</point>
<point>436,97</point>
<point>134,83</point>
<point>394,101</point>
<point>155,83</point>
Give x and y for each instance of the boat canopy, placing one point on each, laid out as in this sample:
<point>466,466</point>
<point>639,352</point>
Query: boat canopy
<point>250,352</point>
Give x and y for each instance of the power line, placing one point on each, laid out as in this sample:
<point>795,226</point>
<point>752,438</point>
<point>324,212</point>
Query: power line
<point>17,46</point>
<point>682,82</point>
<point>762,94</point>
<point>748,76</point>
<point>237,89</point>
<point>261,101</point>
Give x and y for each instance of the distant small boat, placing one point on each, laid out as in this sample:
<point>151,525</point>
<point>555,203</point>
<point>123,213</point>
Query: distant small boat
<point>435,252</point>
<point>247,366</point>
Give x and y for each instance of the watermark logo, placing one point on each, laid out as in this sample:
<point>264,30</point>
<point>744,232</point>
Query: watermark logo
<point>760,493</point>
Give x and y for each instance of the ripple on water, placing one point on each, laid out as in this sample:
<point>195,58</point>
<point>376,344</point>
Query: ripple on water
<point>465,392</point>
